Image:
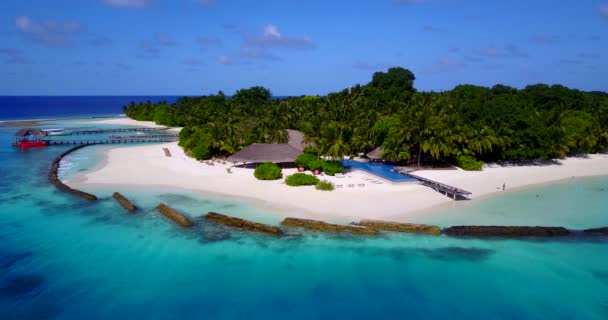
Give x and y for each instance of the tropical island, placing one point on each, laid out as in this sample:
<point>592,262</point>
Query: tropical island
<point>461,126</point>
<point>527,136</point>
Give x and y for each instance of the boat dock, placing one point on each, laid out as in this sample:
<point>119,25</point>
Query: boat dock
<point>116,140</point>
<point>39,138</point>
<point>449,191</point>
<point>100,131</point>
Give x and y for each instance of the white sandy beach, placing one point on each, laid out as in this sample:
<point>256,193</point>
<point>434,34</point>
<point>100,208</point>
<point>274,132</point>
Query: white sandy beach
<point>362,195</point>
<point>124,121</point>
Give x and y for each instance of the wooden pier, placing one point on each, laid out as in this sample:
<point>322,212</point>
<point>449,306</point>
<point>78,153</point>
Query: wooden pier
<point>115,140</point>
<point>100,131</point>
<point>449,191</point>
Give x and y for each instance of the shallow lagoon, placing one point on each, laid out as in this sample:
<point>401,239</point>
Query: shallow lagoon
<point>65,258</point>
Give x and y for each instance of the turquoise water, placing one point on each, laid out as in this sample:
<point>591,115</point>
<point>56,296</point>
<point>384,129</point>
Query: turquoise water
<point>65,258</point>
<point>379,169</point>
<point>574,203</point>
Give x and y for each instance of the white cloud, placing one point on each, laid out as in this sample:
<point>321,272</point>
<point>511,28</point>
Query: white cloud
<point>271,37</point>
<point>50,33</point>
<point>271,31</point>
<point>226,60</point>
<point>138,4</point>
<point>259,46</point>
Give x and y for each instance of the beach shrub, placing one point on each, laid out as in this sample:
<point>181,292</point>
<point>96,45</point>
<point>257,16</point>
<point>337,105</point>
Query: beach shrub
<point>325,186</point>
<point>301,179</point>
<point>305,159</point>
<point>268,171</point>
<point>469,163</point>
<point>184,135</point>
<point>332,167</point>
<point>317,164</point>
<point>200,152</point>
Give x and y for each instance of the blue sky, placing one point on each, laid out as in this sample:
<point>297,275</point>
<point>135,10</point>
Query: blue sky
<point>294,47</point>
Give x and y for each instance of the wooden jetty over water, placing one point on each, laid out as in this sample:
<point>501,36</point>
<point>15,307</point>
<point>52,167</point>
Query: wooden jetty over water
<point>100,131</point>
<point>41,138</point>
<point>449,191</point>
<point>117,140</point>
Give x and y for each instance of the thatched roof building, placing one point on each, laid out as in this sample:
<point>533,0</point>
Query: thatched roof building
<point>376,154</point>
<point>260,152</point>
<point>30,132</point>
<point>296,139</point>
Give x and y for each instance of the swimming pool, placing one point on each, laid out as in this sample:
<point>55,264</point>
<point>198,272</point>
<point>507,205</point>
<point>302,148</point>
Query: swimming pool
<point>381,170</point>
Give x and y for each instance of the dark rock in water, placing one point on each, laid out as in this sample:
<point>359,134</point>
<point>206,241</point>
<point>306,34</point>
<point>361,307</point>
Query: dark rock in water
<point>54,178</point>
<point>597,232</point>
<point>315,225</point>
<point>174,215</point>
<point>399,227</point>
<point>243,224</point>
<point>506,231</point>
<point>124,202</point>
<point>458,253</point>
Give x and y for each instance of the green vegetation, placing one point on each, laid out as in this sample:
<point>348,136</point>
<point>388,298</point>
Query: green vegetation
<point>268,171</point>
<point>200,152</point>
<point>305,160</point>
<point>311,162</point>
<point>488,124</point>
<point>469,163</point>
<point>332,167</point>
<point>325,186</point>
<point>301,179</point>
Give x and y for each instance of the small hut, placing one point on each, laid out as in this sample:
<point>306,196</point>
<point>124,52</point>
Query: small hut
<point>29,134</point>
<point>375,155</point>
<point>283,154</point>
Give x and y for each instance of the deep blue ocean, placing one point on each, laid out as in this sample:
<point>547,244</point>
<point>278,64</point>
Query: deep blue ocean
<point>23,107</point>
<point>66,258</point>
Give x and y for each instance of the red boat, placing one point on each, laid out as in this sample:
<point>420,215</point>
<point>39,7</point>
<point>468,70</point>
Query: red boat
<point>32,144</point>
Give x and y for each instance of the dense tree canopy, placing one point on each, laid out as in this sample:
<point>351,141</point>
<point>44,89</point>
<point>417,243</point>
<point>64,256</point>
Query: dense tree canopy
<point>394,78</point>
<point>488,124</point>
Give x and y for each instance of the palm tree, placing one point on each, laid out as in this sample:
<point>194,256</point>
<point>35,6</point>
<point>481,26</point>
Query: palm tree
<point>337,150</point>
<point>481,140</point>
<point>394,148</point>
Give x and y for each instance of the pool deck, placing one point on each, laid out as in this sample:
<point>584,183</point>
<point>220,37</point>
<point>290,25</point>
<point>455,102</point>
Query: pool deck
<point>449,191</point>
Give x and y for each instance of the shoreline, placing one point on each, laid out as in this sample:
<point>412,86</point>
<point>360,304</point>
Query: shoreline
<point>362,199</point>
<point>11,122</point>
